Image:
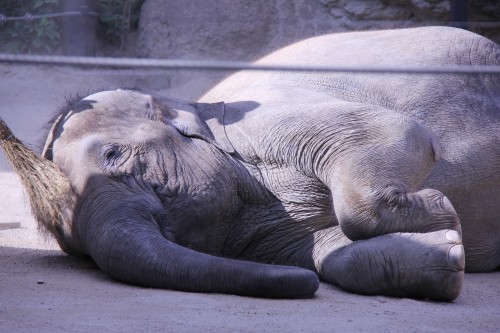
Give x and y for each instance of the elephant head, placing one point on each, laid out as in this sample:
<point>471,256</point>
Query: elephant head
<point>156,192</point>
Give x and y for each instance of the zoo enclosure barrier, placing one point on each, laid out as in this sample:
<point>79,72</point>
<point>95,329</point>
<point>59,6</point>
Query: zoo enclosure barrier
<point>237,65</point>
<point>29,17</point>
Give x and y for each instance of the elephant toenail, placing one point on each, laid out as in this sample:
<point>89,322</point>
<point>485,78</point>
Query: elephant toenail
<point>456,257</point>
<point>454,236</point>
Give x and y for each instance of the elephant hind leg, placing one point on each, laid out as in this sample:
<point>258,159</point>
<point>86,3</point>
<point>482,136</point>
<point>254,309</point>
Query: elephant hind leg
<point>375,186</point>
<point>416,265</point>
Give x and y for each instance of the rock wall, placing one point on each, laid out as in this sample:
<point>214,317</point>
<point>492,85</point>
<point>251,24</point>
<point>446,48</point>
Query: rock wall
<point>246,29</point>
<point>226,29</point>
<point>240,30</point>
<point>484,15</point>
<point>360,14</point>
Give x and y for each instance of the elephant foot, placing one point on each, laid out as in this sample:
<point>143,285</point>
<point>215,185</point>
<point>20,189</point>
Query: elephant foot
<point>428,265</point>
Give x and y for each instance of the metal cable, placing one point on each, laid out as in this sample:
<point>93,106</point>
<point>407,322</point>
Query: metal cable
<point>30,17</point>
<point>236,65</point>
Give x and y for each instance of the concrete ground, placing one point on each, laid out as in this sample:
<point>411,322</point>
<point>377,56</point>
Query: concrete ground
<point>44,290</point>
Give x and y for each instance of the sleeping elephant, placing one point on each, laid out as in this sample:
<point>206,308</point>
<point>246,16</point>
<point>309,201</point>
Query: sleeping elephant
<point>272,181</point>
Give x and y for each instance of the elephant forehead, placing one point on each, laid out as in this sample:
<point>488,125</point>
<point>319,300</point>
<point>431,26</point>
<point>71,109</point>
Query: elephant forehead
<point>106,111</point>
<point>119,102</point>
<point>111,129</point>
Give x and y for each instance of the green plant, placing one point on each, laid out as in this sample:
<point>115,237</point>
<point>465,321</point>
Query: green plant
<point>29,36</point>
<point>43,35</point>
<point>116,17</point>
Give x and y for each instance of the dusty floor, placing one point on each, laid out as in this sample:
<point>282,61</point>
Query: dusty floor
<point>44,290</point>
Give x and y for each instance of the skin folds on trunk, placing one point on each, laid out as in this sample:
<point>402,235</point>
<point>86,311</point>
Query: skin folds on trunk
<point>135,252</point>
<point>125,241</point>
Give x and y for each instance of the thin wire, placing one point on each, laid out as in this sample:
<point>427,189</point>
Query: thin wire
<point>29,16</point>
<point>236,65</point>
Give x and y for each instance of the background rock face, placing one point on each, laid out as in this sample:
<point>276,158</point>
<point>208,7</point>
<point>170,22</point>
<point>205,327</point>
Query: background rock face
<point>245,30</point>
<point>240,30</point>
<point>392,10</point>
<point>225,29</point>
<point>214,29</point>
<point>371,14</point>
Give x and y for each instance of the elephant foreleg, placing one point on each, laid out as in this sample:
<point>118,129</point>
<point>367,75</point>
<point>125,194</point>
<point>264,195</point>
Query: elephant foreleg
<point>417,265</point>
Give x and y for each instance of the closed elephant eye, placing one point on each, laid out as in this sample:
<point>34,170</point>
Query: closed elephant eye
<point>110,155</point>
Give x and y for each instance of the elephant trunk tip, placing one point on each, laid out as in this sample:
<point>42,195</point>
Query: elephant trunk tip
<point>49,190</point>
<point>300,284</point>
<point>282,282</point>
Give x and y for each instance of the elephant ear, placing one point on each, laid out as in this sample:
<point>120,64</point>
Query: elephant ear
<point>200,120</point>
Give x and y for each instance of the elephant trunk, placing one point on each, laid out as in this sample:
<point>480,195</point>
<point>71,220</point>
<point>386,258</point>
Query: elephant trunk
<point>137,253</point>
<point>124,239</point>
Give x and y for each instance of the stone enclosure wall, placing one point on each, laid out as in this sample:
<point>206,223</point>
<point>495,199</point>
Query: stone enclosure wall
<point>244,29</point>
<point>247,29</point>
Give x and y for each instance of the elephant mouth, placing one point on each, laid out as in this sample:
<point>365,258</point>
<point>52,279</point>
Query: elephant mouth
<point>163,192</point>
